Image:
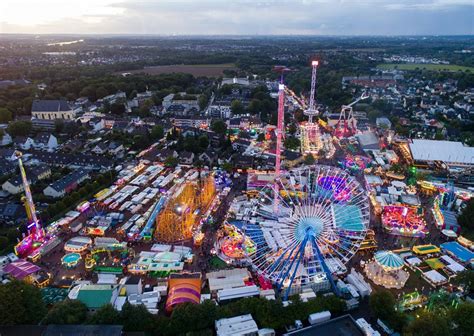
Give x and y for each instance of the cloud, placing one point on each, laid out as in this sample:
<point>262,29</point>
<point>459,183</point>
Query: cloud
<point>216,17</point>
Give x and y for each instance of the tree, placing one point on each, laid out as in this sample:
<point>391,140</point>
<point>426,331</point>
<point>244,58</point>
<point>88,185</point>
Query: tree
<point>292,143</point>
<point>463,317</point>
<point>237,107</point>
<point>5,115</point>
<point>382,304</point>
<point>105,315</point>
<point>228,167</point>
<point>372,115</point>
<point>203,142</point>
<point>261,137</point>
<point>67,312</point>
<point>189,317</point>
<point>4,242</point>
<point>219,126</point>
<point>20,303</point>
<point>135,318</point>
<point>157,132</point>
<point>292,129</point>
<point>309,160</point>
<point>429,324</point>
<point>118,109</point>
<point>58,126</point>
<point>101,92</point>
<point>203,100</point>
<point>466,218</point>
<point>255,106</point>
<point>465,279</point>
<point>171,161</point>
<point>19,128</point>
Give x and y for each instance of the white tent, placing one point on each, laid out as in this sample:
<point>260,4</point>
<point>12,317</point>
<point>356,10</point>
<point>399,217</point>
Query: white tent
<point>434,277</point>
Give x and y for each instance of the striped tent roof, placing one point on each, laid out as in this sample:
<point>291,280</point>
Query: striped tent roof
<point>388,260</point>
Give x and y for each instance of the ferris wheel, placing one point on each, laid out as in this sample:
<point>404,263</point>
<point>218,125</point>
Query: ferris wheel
<point>305,224</point>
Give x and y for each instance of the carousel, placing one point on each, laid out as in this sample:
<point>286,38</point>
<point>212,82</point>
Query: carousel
<point>386,269</point>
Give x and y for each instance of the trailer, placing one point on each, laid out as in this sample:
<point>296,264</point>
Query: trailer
<point>319,317</point>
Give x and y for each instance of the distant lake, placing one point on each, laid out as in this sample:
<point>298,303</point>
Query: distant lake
<point>59,53</point>
<point>64,43</point>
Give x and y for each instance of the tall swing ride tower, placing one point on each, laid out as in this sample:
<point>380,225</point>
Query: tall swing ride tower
<point>310,134</point>
<point>35,231</point>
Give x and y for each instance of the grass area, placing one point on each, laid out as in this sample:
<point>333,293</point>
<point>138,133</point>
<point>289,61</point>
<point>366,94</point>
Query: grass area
<point>210,70</point>
<point>434,263</point>
<point>217,263</point>
<point>430,67</point>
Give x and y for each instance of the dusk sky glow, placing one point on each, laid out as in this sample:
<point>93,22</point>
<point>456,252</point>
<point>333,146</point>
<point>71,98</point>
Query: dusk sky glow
<point>239,17</point>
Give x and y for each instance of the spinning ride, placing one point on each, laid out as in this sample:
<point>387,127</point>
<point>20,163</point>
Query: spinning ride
<point>323,213</point>
<point>403,221</point>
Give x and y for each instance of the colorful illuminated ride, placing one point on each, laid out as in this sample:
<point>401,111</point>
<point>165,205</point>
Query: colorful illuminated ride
<point>355,163</point>
<point>322,213</point>
<point>182,212</point>
<point>71,260</point>
<point>234,244</point>
<point>310,134</point>
<point>386,269</point>
<point>346,125</point>
<point>36,235</point>
<point>117,256</point>
<point>403,221</point>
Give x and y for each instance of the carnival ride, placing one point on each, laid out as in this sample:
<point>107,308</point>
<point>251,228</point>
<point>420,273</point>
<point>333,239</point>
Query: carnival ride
<point>310,134</point>
<point>115,256</point>
<point>403,221</point>
<point>182,211</point>
<point>346,125</point>
<point>71,260</point>
<point>386,270</point>
<point>411,301</point>
<point>234,244</point>
<point>355,163</point>
<point>322,213</point>
<point>36,235</point>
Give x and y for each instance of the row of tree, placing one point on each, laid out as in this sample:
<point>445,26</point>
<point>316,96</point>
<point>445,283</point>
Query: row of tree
<point>22,304</point>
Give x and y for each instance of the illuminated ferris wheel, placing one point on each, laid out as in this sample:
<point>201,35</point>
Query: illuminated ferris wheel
<point>303,226</point>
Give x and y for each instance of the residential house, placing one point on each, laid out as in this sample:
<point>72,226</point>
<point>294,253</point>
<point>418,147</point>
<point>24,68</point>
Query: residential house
<point>25,143</point>
<point>115,149</point>
<point>15,186</point>
<point>72,146</point>
<point>241,144</point>
<point>383,122</point>
<point>186,158</point>
<point>209,156</point>
<point>45,141</point>
<point>73,161</point>
<point>6,166</point>
<point>51,110</point>
<point>12,212</point>
<point>163,154</point>
<point>5,139</point>
<point>100,149</point>
<point>198,122</point>
<point>66,184</point>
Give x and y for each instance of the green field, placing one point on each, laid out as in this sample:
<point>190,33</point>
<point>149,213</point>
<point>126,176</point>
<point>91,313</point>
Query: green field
<point>210,70</point>
<point>432,67</point>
